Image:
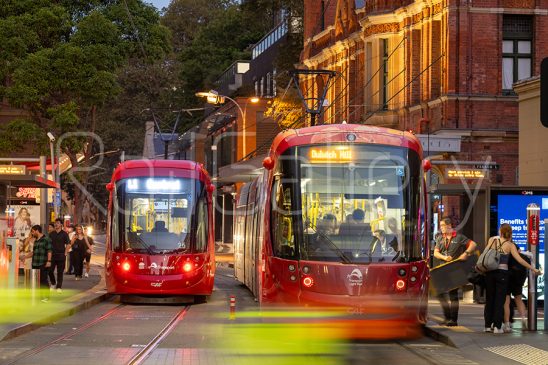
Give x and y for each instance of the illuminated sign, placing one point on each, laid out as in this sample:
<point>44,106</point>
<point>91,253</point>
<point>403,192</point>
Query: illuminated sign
<point>334,155</point>
<point>13,170</point>
<point>466,174</point>
<point>153,185</point>
<point>27,193</point>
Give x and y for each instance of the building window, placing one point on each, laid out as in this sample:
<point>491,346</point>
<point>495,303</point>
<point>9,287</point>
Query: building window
<point>384,75</point>
<point>517,41</point>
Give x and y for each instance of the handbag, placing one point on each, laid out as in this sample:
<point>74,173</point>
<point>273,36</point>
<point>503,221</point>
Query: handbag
<point>489,259</point>
<point>476,277</point>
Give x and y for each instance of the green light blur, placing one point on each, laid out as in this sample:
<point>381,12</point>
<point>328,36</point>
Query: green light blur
<point>18,306</point>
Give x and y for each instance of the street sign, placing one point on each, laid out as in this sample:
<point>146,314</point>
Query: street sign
<point>13,169</point>
<point>487,166</point>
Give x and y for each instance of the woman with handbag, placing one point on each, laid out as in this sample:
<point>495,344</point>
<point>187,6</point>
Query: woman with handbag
<point>496,280</point>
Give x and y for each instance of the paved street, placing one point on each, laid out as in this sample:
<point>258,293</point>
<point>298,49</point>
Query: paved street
<point>113,333</point>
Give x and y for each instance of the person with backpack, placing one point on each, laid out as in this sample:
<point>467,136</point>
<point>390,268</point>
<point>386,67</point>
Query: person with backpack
<point>496,278</point>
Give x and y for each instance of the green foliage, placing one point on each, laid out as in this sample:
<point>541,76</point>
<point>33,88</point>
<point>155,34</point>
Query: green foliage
<point>21,134</point>
<point>216,45</point>
<point>185,18</point>
<point>59,59</point>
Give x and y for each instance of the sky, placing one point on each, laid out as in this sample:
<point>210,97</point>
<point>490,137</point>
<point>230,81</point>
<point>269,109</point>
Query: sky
<point>159,4</point>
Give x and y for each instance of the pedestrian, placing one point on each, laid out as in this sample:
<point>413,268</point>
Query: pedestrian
<point>89,251</point>
<point>60,241</point>
<point>70,266</point>
<point>496,281</point>
<point>450,246</point>
<point>51,228</point>
<point>79,245</point>
<point>517,275</point>
<point>41,259</point>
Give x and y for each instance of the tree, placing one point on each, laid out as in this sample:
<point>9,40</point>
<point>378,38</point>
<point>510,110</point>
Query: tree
<point>225,39</point>
<point>185,18</point>
<point>58,63</point>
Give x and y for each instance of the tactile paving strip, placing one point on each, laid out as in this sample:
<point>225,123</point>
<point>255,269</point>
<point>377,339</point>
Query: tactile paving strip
<point>522,353</point>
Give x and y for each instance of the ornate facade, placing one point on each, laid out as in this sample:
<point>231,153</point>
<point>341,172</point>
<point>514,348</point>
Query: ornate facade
<point>442,67</point>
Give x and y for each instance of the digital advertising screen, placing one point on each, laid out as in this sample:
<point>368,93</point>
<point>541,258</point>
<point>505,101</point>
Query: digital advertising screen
<point>511,207</point>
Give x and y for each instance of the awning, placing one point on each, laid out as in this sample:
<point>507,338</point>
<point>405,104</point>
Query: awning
<point>243,171</point>
<point>28,181</point>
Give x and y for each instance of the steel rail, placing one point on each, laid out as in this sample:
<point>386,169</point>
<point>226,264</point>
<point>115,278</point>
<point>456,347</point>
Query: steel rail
<point>69,334</point>
<point>142,355</point>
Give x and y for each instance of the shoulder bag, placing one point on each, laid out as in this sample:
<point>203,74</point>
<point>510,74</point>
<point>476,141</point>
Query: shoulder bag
<point>489,258</point>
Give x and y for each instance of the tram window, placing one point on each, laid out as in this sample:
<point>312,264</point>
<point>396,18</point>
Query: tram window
<point>283,240</point>
<point>202,229</point>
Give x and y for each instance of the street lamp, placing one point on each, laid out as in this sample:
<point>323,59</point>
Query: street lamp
<point>213,97</point>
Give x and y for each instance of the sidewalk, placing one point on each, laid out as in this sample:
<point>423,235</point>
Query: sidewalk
<point>487,348</point>
<point>76,296</point>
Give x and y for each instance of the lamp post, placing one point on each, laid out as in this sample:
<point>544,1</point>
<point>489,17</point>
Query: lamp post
<point>54,174</point>
<point>213,97</point>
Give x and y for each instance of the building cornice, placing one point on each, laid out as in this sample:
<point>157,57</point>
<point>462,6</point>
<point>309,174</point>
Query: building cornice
<point>508,11</point>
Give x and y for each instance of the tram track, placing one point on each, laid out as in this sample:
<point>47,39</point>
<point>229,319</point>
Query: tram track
<point>70,334</point>
<point>142,355</point>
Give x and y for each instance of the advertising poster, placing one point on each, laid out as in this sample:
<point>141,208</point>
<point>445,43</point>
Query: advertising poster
<point>512,209</point>
<point>25,217</point>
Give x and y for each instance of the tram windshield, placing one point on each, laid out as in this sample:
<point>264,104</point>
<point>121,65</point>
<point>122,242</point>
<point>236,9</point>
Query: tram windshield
<point>356,203</point>
<point>155,214</point>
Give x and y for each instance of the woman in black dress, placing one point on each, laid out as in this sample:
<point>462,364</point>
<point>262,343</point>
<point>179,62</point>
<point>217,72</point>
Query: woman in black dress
<point>80,246</point>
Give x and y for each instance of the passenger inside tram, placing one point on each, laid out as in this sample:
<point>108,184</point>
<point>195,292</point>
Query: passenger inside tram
<point>384,246</point>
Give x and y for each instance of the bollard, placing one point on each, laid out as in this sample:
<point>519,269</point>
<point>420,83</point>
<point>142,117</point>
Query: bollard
<point>13,269</point>
<point>34,286</point>
<point>26,280</point>
<point>232,308</point>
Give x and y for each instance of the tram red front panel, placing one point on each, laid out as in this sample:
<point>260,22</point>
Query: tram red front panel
<point>334,284</point>
<point>159,274</point>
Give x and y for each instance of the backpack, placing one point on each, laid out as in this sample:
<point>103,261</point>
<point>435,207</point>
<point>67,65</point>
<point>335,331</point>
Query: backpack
<point>489,258</point>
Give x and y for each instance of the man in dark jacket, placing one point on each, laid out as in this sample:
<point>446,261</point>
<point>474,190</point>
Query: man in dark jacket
<point>450,246</point>
<point>60,241</point>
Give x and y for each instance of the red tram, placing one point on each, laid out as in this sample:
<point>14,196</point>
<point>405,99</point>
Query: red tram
<point>160,243</point>
<point>338,220</point>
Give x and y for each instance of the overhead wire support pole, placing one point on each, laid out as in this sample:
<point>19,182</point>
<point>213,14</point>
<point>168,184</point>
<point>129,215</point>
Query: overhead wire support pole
<point>316,104</point>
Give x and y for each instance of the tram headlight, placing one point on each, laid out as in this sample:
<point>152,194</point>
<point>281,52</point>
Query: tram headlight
<point>400,285</point>
<point>187,267</point>
<point>126,266</point>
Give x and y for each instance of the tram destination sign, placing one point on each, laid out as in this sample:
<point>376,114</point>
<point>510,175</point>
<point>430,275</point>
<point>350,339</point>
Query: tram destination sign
<point>13,169</point>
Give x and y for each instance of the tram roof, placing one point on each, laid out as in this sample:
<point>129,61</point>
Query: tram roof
<point>333,133</point>
<point>135,168</point>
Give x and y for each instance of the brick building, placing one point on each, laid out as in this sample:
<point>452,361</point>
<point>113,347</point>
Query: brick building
<point>443,69</point>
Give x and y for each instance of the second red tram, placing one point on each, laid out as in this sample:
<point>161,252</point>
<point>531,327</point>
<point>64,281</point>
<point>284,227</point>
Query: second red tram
<point>337,219</point>
<point>160,244</point>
